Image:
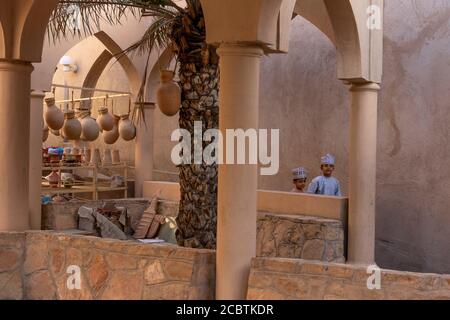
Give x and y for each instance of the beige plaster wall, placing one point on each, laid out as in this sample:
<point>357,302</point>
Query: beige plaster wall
<point>301,96</point>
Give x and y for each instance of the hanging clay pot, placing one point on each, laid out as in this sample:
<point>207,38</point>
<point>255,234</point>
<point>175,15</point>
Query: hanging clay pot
<point>72,127</point>
<point>168,94</point>
<point>110,137</point>
<point>53,116</point>
<point>105,120</point>
<point>127,130</point>
<point>89,127</point>
<point>45,132</point>
<point>107,157</point>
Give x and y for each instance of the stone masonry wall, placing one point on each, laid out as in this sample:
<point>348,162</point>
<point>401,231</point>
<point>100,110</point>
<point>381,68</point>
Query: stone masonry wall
<point>284,236</point>
<point>300,237</point>
<point>283,279</point>
<point>33,265</point>
<point>12,248</point>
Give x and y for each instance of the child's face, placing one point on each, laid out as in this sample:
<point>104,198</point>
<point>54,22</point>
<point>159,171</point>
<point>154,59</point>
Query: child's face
<point>327,169</point>
<point>300,184</point>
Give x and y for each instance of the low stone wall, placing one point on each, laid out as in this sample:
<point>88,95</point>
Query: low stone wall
<point>283,279</point>
<point>12,249</point>
<point>300,237</point>
<point>285,236</point>
<point>34,265</point>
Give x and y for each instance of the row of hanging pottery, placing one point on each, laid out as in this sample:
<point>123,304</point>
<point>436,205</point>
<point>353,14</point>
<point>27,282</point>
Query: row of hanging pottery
<point>85,127</point>
<point>168,99</point>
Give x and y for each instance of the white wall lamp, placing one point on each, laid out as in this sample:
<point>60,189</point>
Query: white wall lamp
<point>68,64</point>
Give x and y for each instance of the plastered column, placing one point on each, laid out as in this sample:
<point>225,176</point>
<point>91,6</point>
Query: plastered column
<point>144,149</point>
<point>236,221</point>
<point>363,152</point>
<point>15,79</point>
<point>35,174</point>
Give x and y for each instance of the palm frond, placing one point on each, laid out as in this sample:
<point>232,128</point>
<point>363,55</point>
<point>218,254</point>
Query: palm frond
<point>157,36</point>
<point>78,18</point>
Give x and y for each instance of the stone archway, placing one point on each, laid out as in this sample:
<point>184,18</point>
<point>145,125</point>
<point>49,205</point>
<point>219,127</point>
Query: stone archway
<point>94,54</point>
<point>123,60</point>
<point>22,25</point>
<point>345,23</point>
<point>244,31</point>
<point>359,48</point>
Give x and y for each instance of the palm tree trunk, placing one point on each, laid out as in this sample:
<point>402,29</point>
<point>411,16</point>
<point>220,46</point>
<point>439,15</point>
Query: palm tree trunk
<point>197,218</point>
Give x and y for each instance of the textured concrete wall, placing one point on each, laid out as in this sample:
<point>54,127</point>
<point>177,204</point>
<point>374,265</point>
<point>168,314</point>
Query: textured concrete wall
<point>34,265</point>
<point>301,96</point>
<point>285,279</point>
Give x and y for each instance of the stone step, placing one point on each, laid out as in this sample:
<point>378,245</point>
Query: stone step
<point>300,237</point>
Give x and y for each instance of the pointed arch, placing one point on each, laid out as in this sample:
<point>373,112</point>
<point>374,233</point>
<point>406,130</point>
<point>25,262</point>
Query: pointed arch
<point>344,22</point>
<point>124,60</point>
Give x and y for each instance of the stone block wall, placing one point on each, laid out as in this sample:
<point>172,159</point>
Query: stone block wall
<point>12,248</point>
<point>300,237</point>
<point>34,265</point>
<point>286,279</point>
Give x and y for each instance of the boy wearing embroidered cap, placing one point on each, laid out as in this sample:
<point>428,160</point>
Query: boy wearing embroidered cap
<point>326,184</point>
<point>299,176</point>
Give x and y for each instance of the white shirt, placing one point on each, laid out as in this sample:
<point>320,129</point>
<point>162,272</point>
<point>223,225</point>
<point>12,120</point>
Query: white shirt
<point>328,186</point>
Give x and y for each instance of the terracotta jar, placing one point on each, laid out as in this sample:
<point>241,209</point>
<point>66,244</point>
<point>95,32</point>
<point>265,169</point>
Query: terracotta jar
<point>89,127</point>
<point>107,157</point>
<point>127,130</point>
<point>111,137</point>
<point>75,151</point>
<point>87,155</point>
<point>116,157</point>
<point>53,116</point>
<point>105,120</point>
<point>168,94</point>
<point>95,159</point>
<point>72,127</point>
<point>45,132</point>
<point>53,179</point>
